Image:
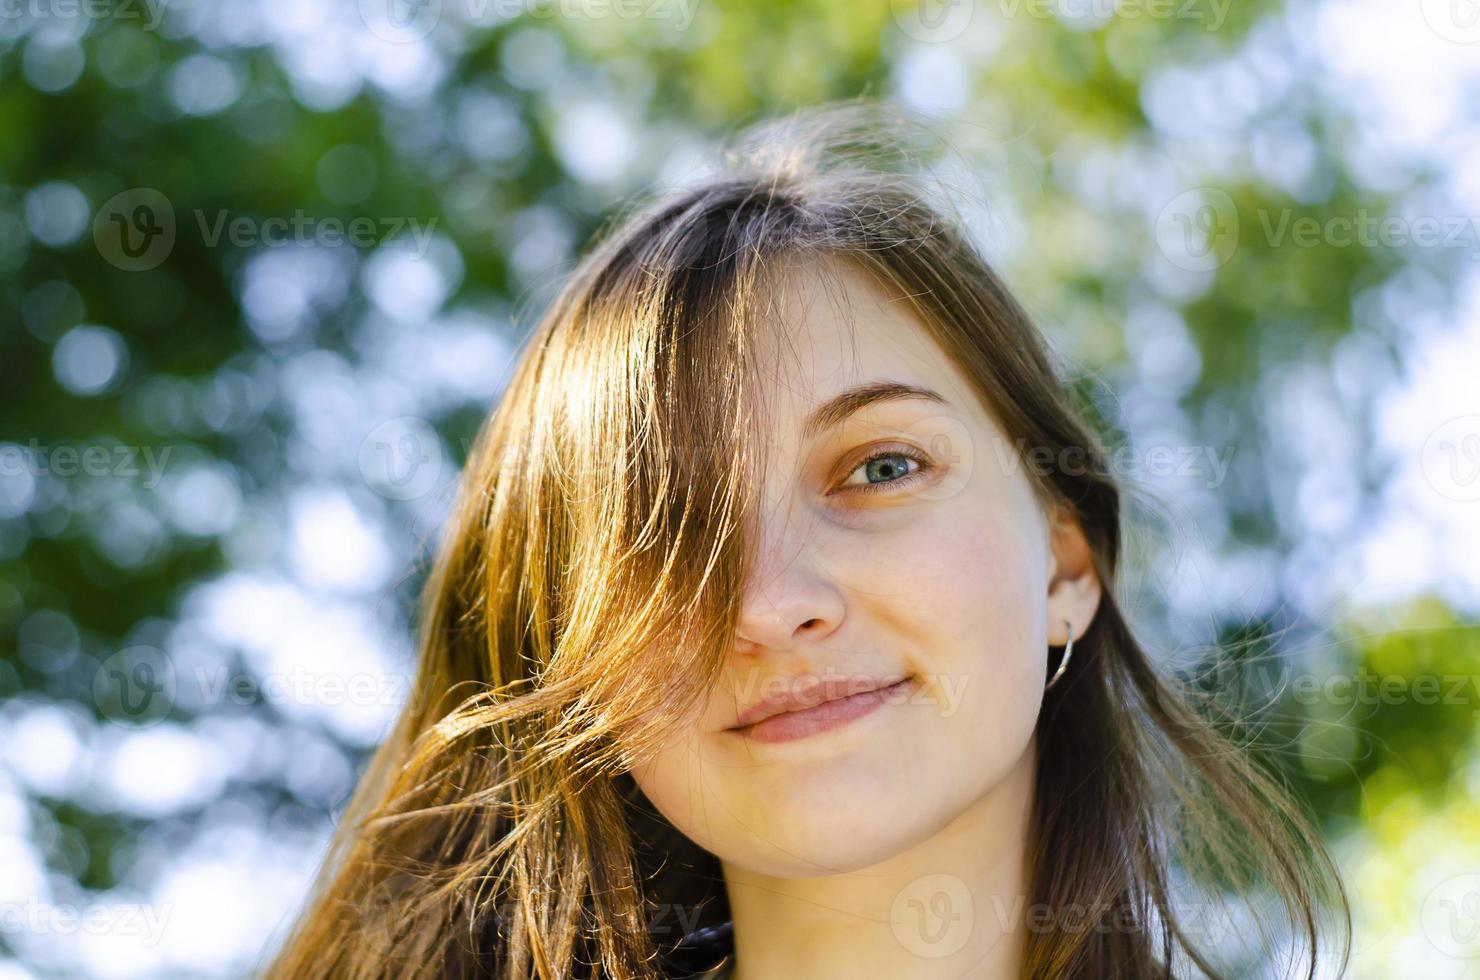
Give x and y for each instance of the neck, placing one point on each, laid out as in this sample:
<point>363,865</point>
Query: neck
<point>952,905</point>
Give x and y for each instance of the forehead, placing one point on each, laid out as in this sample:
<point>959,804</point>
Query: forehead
<point>830,326</point>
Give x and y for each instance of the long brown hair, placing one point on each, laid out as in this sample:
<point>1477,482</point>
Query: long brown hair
<point>601,530</point>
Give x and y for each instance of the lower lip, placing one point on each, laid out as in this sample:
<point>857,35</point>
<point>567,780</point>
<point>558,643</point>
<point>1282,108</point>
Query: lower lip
<point>792,725</point>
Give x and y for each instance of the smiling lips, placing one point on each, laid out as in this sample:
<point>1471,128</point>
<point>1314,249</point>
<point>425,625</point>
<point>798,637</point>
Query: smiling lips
<point>814,708</point>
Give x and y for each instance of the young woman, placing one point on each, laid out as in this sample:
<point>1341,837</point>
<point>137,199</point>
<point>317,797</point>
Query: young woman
<point>775,635</point>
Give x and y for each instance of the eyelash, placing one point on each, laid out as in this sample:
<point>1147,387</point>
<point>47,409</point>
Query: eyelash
<point>924,466</point>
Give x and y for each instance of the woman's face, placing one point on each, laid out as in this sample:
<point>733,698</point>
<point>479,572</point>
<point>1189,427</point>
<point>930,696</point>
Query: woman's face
<point>927,583</point>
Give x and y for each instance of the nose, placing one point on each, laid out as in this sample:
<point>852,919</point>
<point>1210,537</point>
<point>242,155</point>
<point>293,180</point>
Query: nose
<point>790,598</point>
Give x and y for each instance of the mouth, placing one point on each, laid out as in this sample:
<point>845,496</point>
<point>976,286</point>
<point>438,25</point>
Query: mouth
<point>798,714</point>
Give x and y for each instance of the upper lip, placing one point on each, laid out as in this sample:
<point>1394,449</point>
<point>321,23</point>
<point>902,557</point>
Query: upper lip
<point>809,693</point>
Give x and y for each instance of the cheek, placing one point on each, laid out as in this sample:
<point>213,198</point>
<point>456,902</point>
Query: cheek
<point>674,782</point>
<point>971,588</point>
<point>967,602</point>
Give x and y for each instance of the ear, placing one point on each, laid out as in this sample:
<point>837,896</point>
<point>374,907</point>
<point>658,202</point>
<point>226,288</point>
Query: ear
<point>1074,588</point>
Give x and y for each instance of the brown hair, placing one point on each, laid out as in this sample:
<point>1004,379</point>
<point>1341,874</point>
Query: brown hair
<point>600,528</point>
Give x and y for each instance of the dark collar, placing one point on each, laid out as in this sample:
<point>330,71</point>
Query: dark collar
<point>700,951</point>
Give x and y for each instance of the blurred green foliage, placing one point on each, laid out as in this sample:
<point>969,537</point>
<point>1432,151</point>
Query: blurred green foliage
<point>1056,116</point>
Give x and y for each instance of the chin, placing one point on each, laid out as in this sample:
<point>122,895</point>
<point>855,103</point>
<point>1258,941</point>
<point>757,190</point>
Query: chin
<point>822,834</point>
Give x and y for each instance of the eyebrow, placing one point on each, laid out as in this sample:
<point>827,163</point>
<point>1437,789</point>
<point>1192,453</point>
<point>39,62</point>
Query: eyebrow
<point>851,400</point>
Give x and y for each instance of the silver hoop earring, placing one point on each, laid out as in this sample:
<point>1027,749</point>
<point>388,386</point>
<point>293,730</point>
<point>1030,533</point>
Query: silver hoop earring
<point>1064,663</point>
